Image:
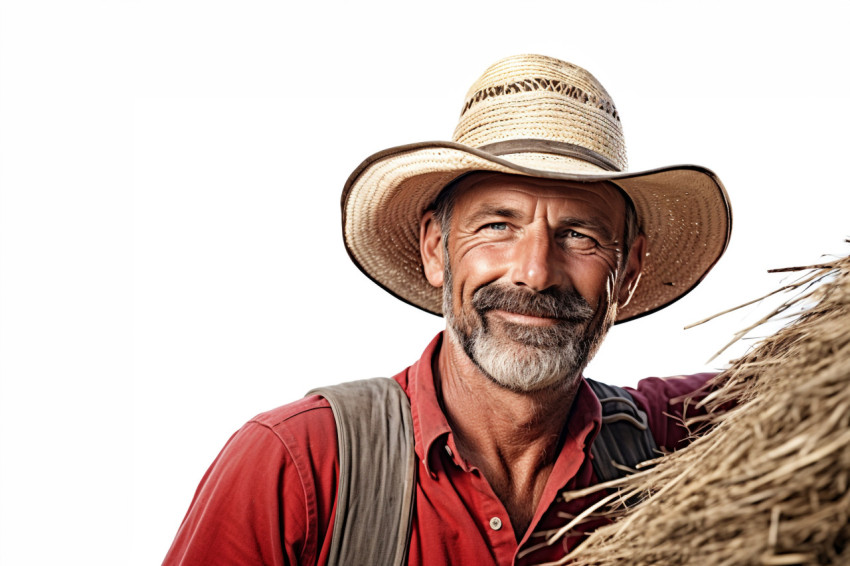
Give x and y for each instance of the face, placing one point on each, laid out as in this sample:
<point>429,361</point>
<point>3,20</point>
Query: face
<point>532,273</point>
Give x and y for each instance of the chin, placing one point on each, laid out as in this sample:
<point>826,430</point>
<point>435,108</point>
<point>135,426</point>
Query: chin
<point>524,365</point>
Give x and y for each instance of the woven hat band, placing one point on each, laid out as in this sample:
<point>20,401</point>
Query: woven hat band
<point>508,147</point>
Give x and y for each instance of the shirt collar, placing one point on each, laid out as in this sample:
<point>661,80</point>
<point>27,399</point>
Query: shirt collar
<point>430,424</point>
<point>429,421</point>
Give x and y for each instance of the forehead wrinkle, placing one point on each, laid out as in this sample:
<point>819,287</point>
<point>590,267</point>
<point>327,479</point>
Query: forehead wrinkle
<point>489,210</point>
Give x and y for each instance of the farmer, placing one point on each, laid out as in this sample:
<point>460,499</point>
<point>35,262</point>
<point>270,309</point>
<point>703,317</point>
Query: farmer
<point>528,235</point>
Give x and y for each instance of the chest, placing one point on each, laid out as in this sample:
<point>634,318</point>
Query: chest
<point>460,520</point>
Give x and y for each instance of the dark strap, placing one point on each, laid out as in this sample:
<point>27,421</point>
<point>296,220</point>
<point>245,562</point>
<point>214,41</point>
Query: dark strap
<point>377,472</point>
<point>625,437</point>
<point>508,147</point>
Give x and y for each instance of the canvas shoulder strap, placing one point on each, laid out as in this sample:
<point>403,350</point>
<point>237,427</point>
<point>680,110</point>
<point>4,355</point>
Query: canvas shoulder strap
<point>625,437</point>
<point>377,463</point>
<point>377,472</point>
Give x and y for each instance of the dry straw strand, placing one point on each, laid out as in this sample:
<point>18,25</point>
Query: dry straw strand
<point>768,484</point>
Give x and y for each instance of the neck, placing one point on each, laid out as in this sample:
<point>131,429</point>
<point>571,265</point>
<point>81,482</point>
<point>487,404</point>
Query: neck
<point>512,437</point>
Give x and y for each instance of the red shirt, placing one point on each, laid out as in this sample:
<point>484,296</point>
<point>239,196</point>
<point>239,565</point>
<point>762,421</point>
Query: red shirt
<point>269,497</point>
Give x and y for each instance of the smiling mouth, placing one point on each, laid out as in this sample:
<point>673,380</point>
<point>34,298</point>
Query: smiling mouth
<point>526,319</point>
<point>532,309</point>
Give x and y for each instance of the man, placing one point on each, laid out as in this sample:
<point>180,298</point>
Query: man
<point>528,236</point>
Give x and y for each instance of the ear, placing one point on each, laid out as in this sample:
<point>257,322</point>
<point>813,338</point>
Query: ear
<point>634,265</point>
<point>431,249</point>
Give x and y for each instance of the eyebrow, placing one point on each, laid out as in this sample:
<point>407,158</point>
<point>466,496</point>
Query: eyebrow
<point>490,210</point>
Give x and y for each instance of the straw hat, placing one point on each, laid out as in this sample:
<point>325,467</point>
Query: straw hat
<point>542,117</point>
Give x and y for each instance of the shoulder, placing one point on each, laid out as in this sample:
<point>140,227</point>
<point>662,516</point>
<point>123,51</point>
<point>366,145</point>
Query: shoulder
<point>268,496</point>
<point>311,415</point>
<point>288,435</point>
<point>662,389</point>
<point>669,402</point>
<point>306,433</point>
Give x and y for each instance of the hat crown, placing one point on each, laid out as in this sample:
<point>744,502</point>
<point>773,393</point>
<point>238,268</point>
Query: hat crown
<point>534,97</point>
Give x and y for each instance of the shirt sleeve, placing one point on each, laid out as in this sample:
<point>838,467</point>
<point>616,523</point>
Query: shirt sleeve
<point>236,516</point>
<point>668,403</point>
<point>258,502</point>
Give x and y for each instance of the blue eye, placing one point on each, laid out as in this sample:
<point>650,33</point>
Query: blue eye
<point>578,241</point>
<point>498,226</point>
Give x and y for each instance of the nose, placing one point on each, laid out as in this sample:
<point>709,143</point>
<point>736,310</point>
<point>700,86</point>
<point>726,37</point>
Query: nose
<point>536,263</point>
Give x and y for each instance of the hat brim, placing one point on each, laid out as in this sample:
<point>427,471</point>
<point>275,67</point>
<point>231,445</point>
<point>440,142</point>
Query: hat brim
<point>683,210</point>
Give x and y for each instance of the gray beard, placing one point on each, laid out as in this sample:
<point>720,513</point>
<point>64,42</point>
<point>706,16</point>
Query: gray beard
<point>526,358</point>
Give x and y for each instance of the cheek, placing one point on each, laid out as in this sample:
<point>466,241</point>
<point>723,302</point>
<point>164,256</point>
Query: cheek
<point>478,266</point>
<point>597,282</point>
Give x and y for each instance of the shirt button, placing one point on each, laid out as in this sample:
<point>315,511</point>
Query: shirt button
<point>495,523</point>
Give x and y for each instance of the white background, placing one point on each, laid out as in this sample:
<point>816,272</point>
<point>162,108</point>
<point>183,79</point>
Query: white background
<point>171,252</point>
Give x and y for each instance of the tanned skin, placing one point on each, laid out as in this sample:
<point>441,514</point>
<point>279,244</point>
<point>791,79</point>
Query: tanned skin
<point>537,234</point>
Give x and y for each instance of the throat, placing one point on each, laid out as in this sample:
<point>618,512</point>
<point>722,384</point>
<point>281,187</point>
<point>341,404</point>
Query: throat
<point>517,473</point>
<point>520,496</point>
<point>512,437</point>
<point>521,514</point>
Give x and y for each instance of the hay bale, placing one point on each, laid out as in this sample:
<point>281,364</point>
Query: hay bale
<point>769,483</point>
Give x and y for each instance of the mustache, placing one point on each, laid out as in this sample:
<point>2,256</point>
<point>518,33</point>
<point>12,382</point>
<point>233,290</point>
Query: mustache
<point>565,305</point>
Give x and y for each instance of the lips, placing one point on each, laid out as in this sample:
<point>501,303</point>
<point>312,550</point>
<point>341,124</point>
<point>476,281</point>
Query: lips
<point>534,314</point>
<point>528,319</point>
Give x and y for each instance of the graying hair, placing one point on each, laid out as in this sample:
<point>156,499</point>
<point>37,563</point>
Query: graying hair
<point>443,206</point>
